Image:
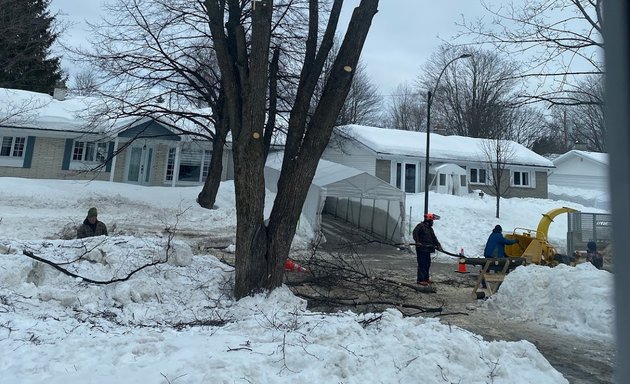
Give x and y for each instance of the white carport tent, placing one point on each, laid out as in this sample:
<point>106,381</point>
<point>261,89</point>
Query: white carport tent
<point>355,196</point>
<point>449,178</point>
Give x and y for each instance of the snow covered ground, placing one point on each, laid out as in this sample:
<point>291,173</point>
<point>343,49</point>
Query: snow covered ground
<point>58,329</point>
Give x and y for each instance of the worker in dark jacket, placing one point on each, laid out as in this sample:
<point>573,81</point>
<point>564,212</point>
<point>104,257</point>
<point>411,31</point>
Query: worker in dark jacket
<point>495,246</point>
<point>91,226</point>
<point>593,256</point>
<point>426,244</point>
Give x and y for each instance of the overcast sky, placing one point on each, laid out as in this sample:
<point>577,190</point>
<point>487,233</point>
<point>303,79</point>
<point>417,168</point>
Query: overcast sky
<point>404,33</point>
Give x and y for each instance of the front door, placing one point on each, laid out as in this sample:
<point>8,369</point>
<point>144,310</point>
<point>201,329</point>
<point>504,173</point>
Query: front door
<point>406,177</point>
<point>139,164</point>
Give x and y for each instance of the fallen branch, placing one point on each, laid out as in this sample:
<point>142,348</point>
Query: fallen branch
<point>86,279</point>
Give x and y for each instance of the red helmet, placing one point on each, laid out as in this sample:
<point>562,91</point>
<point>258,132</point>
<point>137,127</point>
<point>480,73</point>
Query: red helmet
<point>431,216</point>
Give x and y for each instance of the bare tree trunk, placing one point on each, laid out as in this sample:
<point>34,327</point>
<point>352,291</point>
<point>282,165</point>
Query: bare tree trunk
<point>498,205</point>
<point>301,158</point>
<point>208,195</point>
<point>261,249</point>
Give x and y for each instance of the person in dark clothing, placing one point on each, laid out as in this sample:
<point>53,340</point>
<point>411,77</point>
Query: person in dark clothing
<point>593,256</point>
<point>91,226</point>
<point>495,246</point>
<point>426,244</point>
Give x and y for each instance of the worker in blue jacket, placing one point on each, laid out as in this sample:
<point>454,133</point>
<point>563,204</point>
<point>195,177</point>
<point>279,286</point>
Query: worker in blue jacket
<point>495,246</point>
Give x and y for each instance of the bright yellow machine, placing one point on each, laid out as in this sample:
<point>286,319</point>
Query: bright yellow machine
<point>533,244</point>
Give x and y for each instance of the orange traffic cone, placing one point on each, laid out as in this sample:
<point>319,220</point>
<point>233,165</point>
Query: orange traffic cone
<point>461,266</point>
<point>292,266</point>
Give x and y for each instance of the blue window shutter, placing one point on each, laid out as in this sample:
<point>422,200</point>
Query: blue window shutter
<point>110,156</point>
<point>67,154</point>
<point>28,154</point>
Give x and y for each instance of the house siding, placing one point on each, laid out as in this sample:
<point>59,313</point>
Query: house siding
<point>46,164</point>
<point>121,162</point>
<point>579,166</point>
<point>540,191</point>
<point>578,172</point>
<point>158,165</point>
<point>599,183</point>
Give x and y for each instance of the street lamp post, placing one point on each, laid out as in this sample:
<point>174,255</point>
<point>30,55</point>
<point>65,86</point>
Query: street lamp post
<point>426,160</point>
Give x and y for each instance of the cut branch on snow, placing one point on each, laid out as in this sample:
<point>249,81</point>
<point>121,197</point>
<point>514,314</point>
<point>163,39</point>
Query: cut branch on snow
<point>86,279</point>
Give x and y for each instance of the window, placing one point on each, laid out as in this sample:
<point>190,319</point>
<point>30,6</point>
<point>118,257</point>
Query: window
<point>89,151</point>
<point>193,164</point>
<point>478,176</point>
<point>521,179</point>
<point>410,178</point>
<point>12,146</point>
<point>442,179</point>
<point>190,165</point>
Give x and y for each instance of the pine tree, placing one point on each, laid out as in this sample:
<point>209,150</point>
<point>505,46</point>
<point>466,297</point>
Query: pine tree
<point>26,36</point>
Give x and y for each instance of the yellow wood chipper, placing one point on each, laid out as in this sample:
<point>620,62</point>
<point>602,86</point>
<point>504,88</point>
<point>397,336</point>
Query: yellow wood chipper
<point>533,245</point>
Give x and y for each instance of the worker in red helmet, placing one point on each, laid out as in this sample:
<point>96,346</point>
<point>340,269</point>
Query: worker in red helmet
<point>426,244</point>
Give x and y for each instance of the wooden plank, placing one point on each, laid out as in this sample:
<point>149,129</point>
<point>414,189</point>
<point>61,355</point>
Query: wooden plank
<point>492,281</point>
<point>494,277</point>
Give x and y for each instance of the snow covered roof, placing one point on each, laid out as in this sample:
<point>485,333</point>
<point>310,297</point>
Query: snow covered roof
<point>448,167</point>
<point>25,109</point>
<point>597,157</point>
<point>447,148</point>
<point>38,110</point>
<point>341,180</point>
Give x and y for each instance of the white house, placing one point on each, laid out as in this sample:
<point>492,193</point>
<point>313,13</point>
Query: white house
<point>458,164</point>
<point>44,137</point>
<point>582,177</point>
<point>581,169</point>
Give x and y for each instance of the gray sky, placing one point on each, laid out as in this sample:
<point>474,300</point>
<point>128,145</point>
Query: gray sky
<point>403,35</point>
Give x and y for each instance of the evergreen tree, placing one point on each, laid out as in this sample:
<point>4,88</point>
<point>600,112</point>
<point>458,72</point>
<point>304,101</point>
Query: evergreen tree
<point>26,35</point>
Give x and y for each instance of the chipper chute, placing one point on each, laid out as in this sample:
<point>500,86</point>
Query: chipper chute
<point>533,245</point>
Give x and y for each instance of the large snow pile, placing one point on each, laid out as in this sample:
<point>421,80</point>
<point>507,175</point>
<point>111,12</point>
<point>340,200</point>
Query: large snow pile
<point>577,300</point>
<point>176,322</point>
